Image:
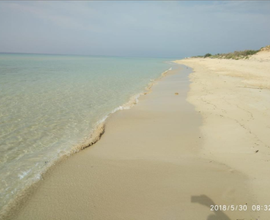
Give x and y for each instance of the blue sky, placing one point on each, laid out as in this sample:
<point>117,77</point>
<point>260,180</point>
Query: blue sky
<point>129,28</point>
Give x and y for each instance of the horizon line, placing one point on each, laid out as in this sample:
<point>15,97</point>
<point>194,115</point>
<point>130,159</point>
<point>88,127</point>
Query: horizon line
<point>85,55</point>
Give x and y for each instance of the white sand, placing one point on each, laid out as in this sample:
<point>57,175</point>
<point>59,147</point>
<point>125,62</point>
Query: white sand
<point>233,97</point>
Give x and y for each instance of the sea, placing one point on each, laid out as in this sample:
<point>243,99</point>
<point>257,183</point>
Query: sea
<point>50,106</point>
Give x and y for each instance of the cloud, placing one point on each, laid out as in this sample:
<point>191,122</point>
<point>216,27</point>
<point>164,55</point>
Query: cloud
<point>133,28</point>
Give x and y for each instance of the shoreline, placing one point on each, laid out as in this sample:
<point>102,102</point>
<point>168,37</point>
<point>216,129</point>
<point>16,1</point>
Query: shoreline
<point>148,164</point>
<point>94,136</point>
<point>99,128</point>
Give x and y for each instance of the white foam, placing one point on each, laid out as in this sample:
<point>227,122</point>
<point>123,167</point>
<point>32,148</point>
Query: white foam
<point>24,174</point>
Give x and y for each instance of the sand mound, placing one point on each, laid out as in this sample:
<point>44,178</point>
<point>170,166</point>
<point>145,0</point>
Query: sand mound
<point>267,48</point>
<point>262,55</point>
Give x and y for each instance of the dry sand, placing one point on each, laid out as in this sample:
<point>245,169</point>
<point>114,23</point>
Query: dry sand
<point>164,160</point>
<point>233,97</point>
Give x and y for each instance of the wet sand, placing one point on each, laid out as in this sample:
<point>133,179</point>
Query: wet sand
<point>151,163</point>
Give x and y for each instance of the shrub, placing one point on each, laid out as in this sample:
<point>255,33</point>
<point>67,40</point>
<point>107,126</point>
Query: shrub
<point>236,55</point>
<point>207,55</point>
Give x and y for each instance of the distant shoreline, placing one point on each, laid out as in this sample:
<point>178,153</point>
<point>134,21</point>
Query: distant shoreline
<point>86,55</point>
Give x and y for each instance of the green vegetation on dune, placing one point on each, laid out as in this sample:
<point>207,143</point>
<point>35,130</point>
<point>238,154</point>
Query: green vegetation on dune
<point>236,55</point>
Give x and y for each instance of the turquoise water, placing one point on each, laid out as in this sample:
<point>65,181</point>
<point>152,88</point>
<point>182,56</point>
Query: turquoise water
<point>50,104</point>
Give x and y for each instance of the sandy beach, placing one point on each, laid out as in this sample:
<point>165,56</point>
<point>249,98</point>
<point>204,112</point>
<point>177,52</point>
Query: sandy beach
<point>182,149</point>
<point>233,98</point>
<point>134,110</point>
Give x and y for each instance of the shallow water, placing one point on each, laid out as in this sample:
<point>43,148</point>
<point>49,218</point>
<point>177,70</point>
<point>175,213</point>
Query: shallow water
<point>49,104</point>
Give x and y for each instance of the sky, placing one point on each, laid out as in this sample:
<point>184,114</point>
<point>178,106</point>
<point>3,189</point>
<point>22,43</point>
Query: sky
<point>128,28</point>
